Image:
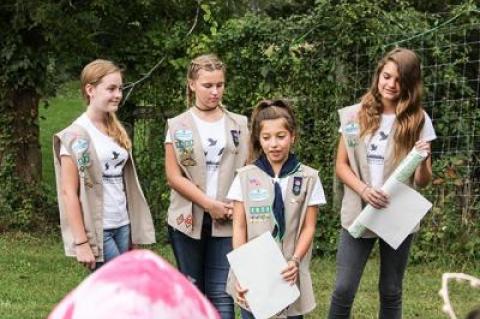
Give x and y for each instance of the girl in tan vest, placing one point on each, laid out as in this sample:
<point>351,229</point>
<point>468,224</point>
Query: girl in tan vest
<point>376,135</point>
<point>203,148</point>
<point>102,208</point>
<point>277,194</point>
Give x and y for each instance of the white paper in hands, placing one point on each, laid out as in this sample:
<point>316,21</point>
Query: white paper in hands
<point>258,265</point>
<point>395,222</point>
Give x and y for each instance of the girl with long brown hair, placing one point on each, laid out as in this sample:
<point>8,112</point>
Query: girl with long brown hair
<point>377,134</point>
<point>96,175</point>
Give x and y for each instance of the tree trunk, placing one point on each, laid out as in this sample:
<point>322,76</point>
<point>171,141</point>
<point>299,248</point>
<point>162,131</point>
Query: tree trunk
<point>26,134</point>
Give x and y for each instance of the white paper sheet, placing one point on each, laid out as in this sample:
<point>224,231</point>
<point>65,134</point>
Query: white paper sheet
<point>258,265</point>
<point>395,222</point>
<point>401,174</point>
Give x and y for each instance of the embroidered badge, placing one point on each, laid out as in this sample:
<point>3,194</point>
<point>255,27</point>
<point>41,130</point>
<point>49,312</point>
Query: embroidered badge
<point>180,219</point>
<point>187,221</point>
<point>184,144</point>
<point>80,145</point>
<point>254,181</point>
<point>352,130</point>
<point>260,213</point>
<point>235,137</point>
<point>184,135</point>
<point>297,185</point>
<point>187,158</point>
<point>258,194</point>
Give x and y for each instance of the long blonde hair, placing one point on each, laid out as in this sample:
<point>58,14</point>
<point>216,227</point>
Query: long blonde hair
<point>92,74</point>
<point>409,112</point>
<point>207,62</point>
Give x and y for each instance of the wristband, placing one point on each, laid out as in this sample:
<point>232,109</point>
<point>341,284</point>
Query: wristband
<point>82,243</point>
<point>296,260</point>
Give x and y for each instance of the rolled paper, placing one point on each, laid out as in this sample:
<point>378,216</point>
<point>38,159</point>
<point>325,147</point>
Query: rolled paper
<point>402,173</point>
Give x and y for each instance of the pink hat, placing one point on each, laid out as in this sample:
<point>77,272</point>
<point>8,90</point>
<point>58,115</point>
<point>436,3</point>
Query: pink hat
<point>138,284</point>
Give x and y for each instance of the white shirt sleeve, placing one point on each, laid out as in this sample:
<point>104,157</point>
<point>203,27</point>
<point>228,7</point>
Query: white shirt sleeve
<point>318,195</point>
<point>63,151</point>
<point>235,191</point>
<point>168,138</point>
<point>428,132</point>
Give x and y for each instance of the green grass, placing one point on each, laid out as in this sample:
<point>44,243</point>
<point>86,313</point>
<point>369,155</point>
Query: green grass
<point>35,275</point>
<point>61,110</point>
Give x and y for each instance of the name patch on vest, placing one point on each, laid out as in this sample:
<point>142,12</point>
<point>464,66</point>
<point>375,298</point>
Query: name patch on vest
<point>260,213</point>
<point>258,194</point>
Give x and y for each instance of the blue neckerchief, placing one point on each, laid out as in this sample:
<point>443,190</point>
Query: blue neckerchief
<point>290,166</point>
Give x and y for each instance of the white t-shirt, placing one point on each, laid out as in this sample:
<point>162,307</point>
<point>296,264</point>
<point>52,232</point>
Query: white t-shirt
<point>112,158</point>
<point>212,136</point>
<point>317,198</point>
<point>377,144</point>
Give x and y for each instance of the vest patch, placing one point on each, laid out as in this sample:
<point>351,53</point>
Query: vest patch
<point>352,130</point>
<point>297,185</point>
<point>184,144</point>
<point>235,137</point>
<point>188,221</point>
<point>260,213</point>
<point>258,194</point>
<point>80,145</point>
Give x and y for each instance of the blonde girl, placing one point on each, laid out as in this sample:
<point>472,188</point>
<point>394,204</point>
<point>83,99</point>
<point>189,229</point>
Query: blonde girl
<point>102,207</point>
<point>203,148</point>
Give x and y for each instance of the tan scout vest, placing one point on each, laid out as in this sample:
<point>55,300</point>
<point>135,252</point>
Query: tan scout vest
<point>258,194</point>
<point>184,215</point>
<point>78,143</point>
<point>352,203</point>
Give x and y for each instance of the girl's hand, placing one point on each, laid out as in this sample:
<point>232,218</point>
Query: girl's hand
<point>290,273</point>
<point>375,197</point>
<point>85,256</point>
<point>220,211</point>
<point>241,294</point>
<point>423,146</point>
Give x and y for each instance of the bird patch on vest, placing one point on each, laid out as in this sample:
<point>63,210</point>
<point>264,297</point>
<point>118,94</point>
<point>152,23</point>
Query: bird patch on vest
<point>235,137</point>
<point>258,194</point>
<point>297,185</point>
<point>184,144</point>
<point>260,213</point>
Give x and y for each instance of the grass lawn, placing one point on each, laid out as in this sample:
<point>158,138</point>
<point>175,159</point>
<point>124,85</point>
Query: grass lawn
<point>61,111</point>
<point>35,275</point>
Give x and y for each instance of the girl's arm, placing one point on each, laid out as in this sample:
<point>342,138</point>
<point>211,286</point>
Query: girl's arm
<point>189,190</point>
<point>70,184</point>
<point>423,173</point>
<point>239,238</point>
<point>375,197</point>
<point>305,239</point>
